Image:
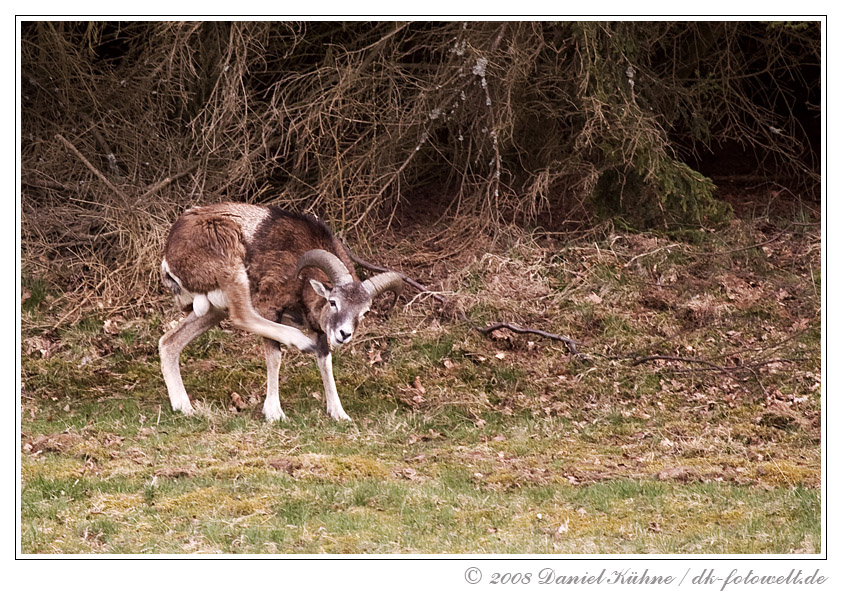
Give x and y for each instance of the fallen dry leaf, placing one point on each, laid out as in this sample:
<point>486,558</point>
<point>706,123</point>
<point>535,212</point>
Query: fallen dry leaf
<point>145,432</point>
<point>418,386</point>
<point>285,464</point>
<point>111,326</point>
<point>237,402</point>
<point>501,335</point>
<point>407,473</point>
<point>678,473</point>
<point>43,345</point>
<point>54,442</point>
<point>738,290</point>
<point>171,472</point>
<point>800,324</point>
<point>374,357</point>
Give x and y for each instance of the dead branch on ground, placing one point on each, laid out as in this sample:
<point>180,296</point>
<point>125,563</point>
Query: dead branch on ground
<point>570,343</point>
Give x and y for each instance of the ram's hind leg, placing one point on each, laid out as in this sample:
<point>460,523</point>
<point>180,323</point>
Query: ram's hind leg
<point>170,347</point>
<point>245,317</point>
<point>272,405</point>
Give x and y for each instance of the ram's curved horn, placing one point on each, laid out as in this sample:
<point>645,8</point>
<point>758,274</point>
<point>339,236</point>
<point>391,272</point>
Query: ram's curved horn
<point>388,281</point>
<point>327,262</point>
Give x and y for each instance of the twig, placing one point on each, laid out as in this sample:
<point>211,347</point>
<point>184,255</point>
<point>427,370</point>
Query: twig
<point>571,344</point>
<point>106,148</point>
<point>752,246</point>
<point>158,186</point>
<point>378,269</point>
<point>750,366</point>
<point>391,179</point>
<point>45,184</point>
<point>672,358</point>
<point>90,166</point>
<point>625,266</point>
<point>426,133</point>
<point>78,305</point>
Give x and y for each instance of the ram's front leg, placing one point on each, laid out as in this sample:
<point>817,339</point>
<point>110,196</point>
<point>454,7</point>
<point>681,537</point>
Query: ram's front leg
<point>324,360</point>
<point>272,405</point>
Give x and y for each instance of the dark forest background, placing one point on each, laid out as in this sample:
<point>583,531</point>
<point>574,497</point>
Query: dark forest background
<point>476,125</point>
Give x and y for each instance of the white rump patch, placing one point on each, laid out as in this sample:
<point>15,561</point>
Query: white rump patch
<point>201,305</point>
<point>217,298</point>
<point>202,302</point>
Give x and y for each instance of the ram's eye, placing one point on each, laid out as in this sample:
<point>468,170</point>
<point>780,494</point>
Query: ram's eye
<point>332,303</point>
<point>362,314</point>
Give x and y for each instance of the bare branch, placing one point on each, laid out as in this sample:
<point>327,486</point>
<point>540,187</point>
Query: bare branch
<point>571,344</point>
<point>90,166</point>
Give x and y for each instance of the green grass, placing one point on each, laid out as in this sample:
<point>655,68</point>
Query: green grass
<point>37,289</point>
<point>352,496</point>
<point>396,481</point>
<point>508,446</point>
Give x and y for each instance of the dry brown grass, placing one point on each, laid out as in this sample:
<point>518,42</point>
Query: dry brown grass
<point>487,123</point>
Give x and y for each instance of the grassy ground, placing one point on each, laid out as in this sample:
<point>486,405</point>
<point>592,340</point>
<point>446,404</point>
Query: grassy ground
<point>460,442</point>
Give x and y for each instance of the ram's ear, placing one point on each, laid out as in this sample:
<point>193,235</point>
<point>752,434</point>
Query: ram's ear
<point>319,288</point>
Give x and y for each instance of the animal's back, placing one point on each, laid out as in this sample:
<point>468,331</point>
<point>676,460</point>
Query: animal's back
<point>207,244</point>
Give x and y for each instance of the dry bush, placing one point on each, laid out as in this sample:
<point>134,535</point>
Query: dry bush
<point>507,122</point>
